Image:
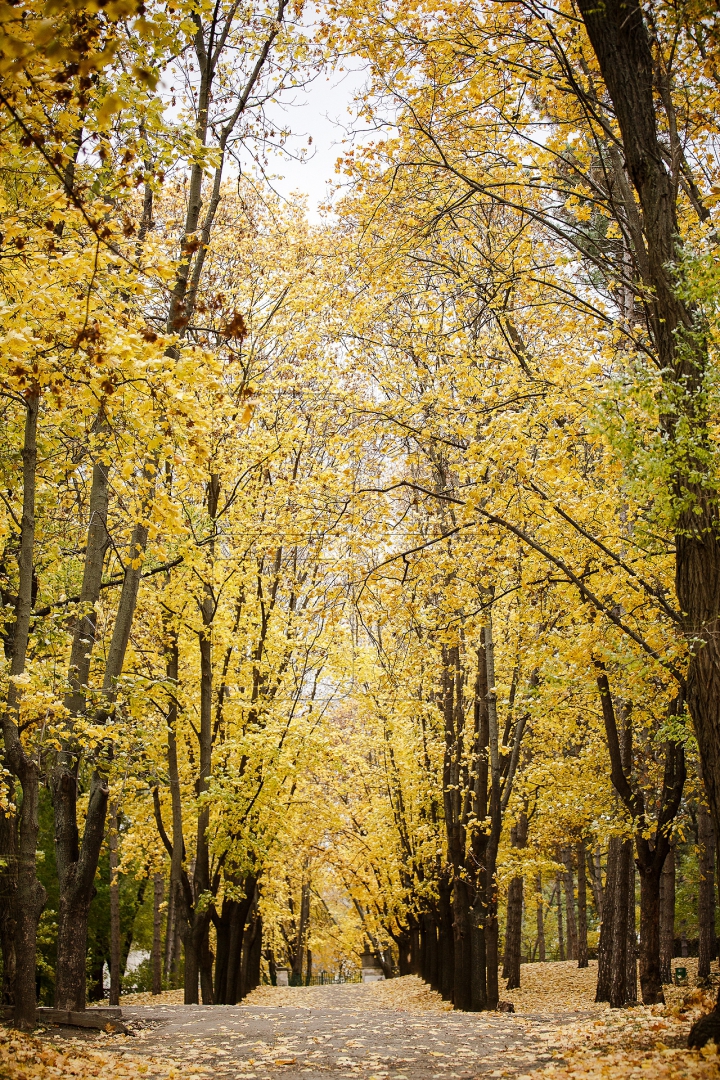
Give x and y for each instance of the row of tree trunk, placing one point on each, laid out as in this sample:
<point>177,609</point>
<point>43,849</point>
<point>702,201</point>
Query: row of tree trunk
<point>428,949</point>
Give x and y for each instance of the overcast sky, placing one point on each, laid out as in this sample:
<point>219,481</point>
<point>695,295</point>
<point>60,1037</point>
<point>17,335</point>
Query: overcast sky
<point>323,110</point>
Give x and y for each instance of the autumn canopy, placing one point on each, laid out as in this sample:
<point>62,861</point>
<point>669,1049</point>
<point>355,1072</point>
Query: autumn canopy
<point>359,579</point>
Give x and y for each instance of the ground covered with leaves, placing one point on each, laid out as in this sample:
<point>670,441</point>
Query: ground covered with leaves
<point>396,1030</point>
<point>25,1057</point>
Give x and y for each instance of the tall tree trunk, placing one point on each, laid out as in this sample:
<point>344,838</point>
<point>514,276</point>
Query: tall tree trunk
<point>302,931</point>
<point>462,945</point>
<point>650,977</point>
<point>28,894</point>
<point>582,929</point>
<point>631,953</point>
<point>540,919</point>
<point>707,950</point>
<point>431,973</point>
<point>446,941</point>
<point>618,978</point>
<point>478,978</point>
<point>594,867</point>
<point>667,916</point>
<point>114,906</point>
<point>8,888</point>
<point>605,948</point>
<point>514,920</point>
<point>158,895</point>
<point>491,942</point>
<point>513,934</point>
<point>77,863</point>
<point>621,43</point>
<point>561,937</point>
<point>569,887</point>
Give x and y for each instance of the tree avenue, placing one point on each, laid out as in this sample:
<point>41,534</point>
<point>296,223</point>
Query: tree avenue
<point>360,579</point>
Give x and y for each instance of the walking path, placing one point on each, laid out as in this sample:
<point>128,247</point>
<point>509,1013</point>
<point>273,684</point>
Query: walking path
<point>344,1031</point>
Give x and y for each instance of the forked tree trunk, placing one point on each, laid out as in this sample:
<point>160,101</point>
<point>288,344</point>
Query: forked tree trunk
<point>77,862</point>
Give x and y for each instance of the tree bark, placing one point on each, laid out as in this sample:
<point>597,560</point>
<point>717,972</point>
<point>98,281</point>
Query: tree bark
<point>8,887</point>
<point>561,937</point>
<point>707,950</point>
<point>446,941</point>
<point>513,934</point>
<point>631,954</point>
<point>667,916</point>
<point>569,887</point>
<point>28,895</point>
<point>618,977</point>
<point>158,895</point>
<point>582,928</point>
<point>302,932</point>
<point>540,919</point>
<point>462,945</point>
<point>514,920</point>
<point>621,43</point>
<point>478,977</point>
<point>605,947</point>
<point>431,966</point>
<point>76,863</point>
<point>650,977</point>
<point>114,906</point>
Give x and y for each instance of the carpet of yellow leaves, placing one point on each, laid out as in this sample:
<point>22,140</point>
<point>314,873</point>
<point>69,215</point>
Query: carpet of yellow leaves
<point>23,1057</point>
<point>642,1042</point>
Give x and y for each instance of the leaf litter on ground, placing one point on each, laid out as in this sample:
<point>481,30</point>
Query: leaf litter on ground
<point>586,1040</point>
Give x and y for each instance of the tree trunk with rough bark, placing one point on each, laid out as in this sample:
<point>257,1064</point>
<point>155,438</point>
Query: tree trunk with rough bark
<point>631,954</point>
<point>618,977</point>
<point>560,933</point>
<point>667,916</point>
<point>707,950</point>
<point>27,895</point>
<point>158,896</point>
<point>605,947</point>
<point>569,887</point>
<point>8,887</point>
<point>446,941</point>
<point>540,919</point>
<point>620,40</point>
<point>114,906</point>
<point>514,920</point>
<point>582,926</point>
<point>650,976</point>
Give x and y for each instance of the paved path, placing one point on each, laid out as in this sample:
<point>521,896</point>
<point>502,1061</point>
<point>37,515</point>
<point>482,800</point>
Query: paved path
<point>331,1038</point>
